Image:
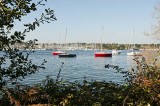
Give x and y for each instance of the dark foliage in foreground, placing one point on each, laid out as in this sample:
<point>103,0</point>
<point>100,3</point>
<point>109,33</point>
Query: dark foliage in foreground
<point>76,94</point>
<point>64,93</point>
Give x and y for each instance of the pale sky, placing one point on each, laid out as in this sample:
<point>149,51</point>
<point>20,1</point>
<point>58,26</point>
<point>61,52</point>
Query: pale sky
<point>84,20</point>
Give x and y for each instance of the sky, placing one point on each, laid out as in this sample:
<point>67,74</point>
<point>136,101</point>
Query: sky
<point>84,19</point>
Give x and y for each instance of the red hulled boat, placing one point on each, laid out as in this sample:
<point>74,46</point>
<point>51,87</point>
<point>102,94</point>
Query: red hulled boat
<point>102,54</point>
<point>57,52</point>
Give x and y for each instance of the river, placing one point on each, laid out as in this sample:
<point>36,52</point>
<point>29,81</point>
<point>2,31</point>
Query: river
<point>85,65</point>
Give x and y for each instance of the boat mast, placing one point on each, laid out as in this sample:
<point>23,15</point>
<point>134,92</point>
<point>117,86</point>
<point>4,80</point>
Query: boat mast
<point>59,41</point>
<point>101,37</point>
<point>131,39</point>
<point>65,39</point>
<point>65,35</point>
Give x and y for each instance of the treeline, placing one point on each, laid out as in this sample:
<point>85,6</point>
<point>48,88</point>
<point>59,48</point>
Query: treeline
<point>108,46</point>
<point>79,46</point>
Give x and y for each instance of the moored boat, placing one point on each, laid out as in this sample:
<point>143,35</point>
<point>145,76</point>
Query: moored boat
<point>57,52</point>
<point>103,54</point>
<point>67,55</point>
<point>134,53</point>
<point>116,52</point>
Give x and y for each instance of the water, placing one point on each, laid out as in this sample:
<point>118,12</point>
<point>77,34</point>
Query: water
<point>85,65</point>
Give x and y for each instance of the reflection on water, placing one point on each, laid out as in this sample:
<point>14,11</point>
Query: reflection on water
<point>84,65</point>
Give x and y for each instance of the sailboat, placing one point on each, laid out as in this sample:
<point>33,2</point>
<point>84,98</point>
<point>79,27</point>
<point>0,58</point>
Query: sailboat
<point>59,51</point>
<point>133,53</point>
<point>66,55</point>
<point>116,52</point>
<point>102,53</point>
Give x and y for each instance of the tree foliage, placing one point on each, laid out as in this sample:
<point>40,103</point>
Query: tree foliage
<point>14,63</point>
<point>154,32</point>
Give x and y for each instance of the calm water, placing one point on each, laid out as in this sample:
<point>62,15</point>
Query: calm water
<point>84,65</point>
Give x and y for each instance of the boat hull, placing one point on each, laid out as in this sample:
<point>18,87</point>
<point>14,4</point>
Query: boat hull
<point>134,54</point>
<point>67,55</point>
<point>103,54</point>
<point>57,53</point>
<point>115,52</point>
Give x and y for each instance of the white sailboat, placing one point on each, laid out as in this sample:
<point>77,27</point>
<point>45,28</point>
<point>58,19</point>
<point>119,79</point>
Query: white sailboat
<point>116,52</point>
<point>132,52</point>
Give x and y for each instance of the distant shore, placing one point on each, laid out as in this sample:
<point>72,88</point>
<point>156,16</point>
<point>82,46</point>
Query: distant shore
<point>89,46</point>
